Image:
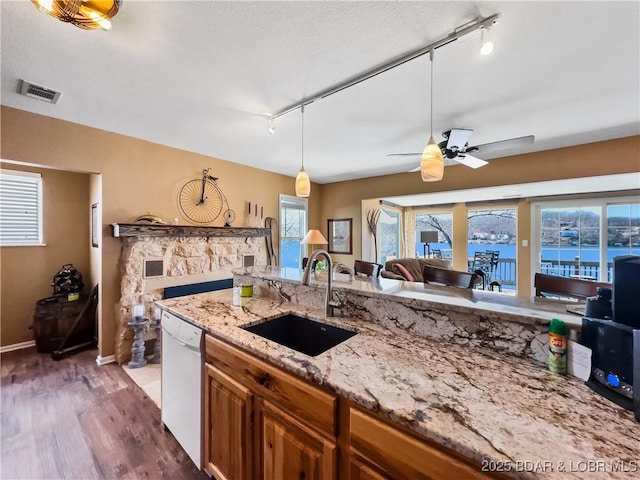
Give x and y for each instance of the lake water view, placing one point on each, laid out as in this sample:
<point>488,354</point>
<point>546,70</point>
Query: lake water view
<point>550,253</point>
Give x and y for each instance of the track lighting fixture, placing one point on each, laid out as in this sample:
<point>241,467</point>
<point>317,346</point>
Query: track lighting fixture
<point>431,163</point>
<point>480,23</point>
<point>303,184</point>
<point>486,46</point>
<point>271,126</point>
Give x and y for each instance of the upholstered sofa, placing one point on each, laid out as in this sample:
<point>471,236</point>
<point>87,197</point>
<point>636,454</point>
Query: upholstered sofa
<point>410,269</point>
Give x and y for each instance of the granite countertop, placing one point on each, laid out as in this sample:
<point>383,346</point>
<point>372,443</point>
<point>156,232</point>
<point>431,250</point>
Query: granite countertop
<point>505,412</point>
<point>535,310</point>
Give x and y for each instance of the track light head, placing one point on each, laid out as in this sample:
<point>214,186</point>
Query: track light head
<point>271,126</point>
<point>486,46</point>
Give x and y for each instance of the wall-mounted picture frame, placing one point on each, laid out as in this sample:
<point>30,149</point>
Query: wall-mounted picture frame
<point>95,226</point>
<point>340,235</point>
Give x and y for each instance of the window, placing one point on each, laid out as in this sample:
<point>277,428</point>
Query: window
<point>20,208</point>
<point>580,238</point>
<point>491,245</point>
<point>441,223</point>
<point>389,234</point>
<point>293,228</point>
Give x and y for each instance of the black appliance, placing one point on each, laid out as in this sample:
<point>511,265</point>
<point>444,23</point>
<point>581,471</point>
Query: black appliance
<point>615,344</point>
<point>615,361</point>
<point>600,305</point>
<point>625,300</point>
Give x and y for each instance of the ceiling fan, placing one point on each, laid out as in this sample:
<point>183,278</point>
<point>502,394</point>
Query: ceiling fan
<point>455,148</point>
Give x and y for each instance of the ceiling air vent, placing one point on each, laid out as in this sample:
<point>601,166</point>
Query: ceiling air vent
<point>39,92</point>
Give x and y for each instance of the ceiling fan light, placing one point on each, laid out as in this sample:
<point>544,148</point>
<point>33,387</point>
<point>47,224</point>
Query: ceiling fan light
<point>303,184</point>
<point>431,163</point>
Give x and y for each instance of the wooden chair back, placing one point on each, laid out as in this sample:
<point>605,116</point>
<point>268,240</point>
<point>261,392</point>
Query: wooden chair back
<point>566,286</point>
<point>452,278</point>
<point>369,269</point>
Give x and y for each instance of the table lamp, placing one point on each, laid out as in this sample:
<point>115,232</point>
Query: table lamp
<point>314,237</point>
<point>428,237</point>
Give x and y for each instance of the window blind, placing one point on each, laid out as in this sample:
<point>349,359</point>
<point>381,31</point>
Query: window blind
<point>20,208</point>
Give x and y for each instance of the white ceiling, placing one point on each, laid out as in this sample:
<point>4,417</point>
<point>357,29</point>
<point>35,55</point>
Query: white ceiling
<point>200,76</point>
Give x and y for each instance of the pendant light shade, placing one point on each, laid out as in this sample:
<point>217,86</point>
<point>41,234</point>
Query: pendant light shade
<point>431,163</point>
<point>85,14</point>
<point>303,184</point>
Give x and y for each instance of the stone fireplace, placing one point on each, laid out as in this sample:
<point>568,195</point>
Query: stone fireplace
<point>154,257</point>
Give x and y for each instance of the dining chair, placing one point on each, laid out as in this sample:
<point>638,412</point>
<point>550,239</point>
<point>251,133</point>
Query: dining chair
<point>368,269</point>
<point>482,266</point>
<point>452,278</point>
<point>555,286</point>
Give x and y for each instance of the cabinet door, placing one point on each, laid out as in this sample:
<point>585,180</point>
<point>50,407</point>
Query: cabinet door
<point>228,427</point>
<point>403,456</point>
<point>293,451</point>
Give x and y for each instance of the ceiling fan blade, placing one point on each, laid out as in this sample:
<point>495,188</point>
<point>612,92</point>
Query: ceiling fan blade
<point>499,145</point>
<point>470,160</point>
<point>458,139</point>
<point>417,169</point>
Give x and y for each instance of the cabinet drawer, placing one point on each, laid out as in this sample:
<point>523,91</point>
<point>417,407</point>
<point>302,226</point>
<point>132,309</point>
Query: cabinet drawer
<point>401,455</point>
<point>297,396</point>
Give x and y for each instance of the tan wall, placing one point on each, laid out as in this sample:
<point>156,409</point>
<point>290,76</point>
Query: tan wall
<point>27,272</point>
<point>343,199</point>
<point>137,177</point>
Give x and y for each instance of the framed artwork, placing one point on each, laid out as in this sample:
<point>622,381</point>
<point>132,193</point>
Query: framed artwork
<point>95,226</point>
<point>339,235</point>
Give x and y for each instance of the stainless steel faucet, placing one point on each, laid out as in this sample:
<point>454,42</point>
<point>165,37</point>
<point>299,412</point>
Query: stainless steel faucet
<point>306,279</point>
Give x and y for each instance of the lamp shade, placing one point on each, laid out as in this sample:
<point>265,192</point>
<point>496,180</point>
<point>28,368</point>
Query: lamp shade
<point>88,15</point>
<point>432,163</point>
<point>430,236</point>
<point>303,184</point>
<point>314,237</point>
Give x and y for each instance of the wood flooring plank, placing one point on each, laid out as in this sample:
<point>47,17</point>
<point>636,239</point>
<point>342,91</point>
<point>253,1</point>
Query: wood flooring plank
<point>72,419</point>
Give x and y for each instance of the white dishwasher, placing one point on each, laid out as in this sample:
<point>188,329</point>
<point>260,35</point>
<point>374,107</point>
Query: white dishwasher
<point>182,383</point>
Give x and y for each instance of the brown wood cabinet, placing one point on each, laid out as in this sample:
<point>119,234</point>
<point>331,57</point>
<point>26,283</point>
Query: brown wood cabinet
<point>228,417</point>
<point>399,454</point>
<point>292,450</point>
<point>262,423</point>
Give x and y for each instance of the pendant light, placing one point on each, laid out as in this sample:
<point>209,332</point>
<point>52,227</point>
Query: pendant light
<point>85,14</point>
<point>303,185</point>
<point>431,163</point>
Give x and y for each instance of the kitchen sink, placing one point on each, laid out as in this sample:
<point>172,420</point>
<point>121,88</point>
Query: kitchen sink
<point>298,333</point>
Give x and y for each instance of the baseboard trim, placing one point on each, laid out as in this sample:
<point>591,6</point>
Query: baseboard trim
<point>17,346</point>
<point>100,360</point>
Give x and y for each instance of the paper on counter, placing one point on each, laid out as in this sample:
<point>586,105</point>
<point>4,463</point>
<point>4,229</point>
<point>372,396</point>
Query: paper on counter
<point>578,360</point>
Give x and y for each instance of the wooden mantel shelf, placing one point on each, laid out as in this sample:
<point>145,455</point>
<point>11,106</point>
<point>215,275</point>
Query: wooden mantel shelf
<point>159,230</point>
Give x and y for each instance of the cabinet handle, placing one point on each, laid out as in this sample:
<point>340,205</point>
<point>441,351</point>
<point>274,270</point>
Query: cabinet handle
<point>265,380</point>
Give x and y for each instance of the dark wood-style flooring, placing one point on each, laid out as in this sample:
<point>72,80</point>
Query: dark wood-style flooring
<point>72,419</point>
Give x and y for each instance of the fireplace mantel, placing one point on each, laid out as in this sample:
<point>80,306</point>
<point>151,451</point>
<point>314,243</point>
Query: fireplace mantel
<point>160,230</point>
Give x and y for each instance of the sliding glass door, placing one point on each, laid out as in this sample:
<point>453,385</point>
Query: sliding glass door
<point>579,239</point>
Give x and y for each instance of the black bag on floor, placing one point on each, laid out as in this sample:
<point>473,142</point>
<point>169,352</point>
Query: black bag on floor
<point>67,280</point>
